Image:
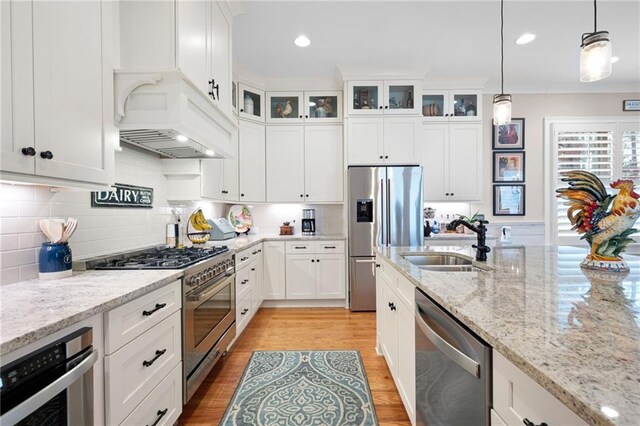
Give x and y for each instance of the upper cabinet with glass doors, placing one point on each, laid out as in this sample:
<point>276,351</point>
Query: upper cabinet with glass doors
<point>374,97</point>
<point>298,107</point>
<point>251,103</point>
<point>451,105</point>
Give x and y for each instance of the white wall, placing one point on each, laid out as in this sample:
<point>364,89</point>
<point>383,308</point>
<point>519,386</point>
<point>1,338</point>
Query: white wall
<point>100,230</point>
<point>534,108</point>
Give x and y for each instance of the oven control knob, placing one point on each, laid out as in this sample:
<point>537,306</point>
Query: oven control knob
<point>192,281</point>
<point>211,273</point>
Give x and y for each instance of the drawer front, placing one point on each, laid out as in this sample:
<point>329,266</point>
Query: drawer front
<point>126,322</point>
<point>256,252</point>
<point>163,403</point>
<point>243,313</point>
<point>384,268</point>
<point>517,396</point>
<point>406,292</point>
<point>300,247</point>
<point>134,370</point>
<point>330,246</point>
<point>243,283</point>
<point>243,258</point>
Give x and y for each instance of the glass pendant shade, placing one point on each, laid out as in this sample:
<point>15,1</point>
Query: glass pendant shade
<point>595,56</point>
<point>501,109</point>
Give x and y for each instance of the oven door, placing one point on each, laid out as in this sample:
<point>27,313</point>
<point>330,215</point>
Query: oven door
<point>208,315</point>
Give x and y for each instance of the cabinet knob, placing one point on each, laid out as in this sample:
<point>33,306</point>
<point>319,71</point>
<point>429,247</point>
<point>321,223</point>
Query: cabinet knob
<point>30,151</point>
<point>380,106</point>
<point>307,195</point>
<point>452,194</point>
<point>312,260</point>
<point>300,117</point>
<point>241,109</point>
<point>528,422</point>
<point>306,116</point>
<point>381,157</point>
<point>386,107</point>
<point>446,194</point>
<point>301,195</point>
<point>47,155</point>
<point>318,260</point>
<point>242,195</point>
<point>386,156</point>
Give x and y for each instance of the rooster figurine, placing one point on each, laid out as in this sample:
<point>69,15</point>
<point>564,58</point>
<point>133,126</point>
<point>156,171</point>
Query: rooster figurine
<point>606,221</point>
<point>287,109</point>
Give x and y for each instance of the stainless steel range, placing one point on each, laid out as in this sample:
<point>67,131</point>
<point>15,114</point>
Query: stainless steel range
<point>208,301</point>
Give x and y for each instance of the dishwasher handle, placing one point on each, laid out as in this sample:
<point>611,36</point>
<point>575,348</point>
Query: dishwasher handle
<point>466,363</point>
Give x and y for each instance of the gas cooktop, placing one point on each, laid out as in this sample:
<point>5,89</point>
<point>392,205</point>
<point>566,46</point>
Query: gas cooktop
<point>160,258</point>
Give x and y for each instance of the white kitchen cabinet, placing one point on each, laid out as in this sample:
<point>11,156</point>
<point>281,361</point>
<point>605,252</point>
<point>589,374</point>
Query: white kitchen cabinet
<point>323,165</point>
<point>517,397</point>
<point>274,285</point>
<point>251,103</point>
<point>194,180</point>
<point>193,36</point>
<point>303,164</point>
<point>220,179</point>
<point>452,161</point>
<point>59,117</point>
<point>395,323</point>
<point>256,276</point>
<point>323,106</point>
<point>301,276</point>
<point>252,172</point>
<point>389,97</point>
<point>315,270</point>
<point>285,107</point>
<point>378,141</point>
<point>285,163</point>
<point>330,273</point>
<point>460,105</point>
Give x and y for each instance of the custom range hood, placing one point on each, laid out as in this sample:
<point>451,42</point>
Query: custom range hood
<point>165,113</point>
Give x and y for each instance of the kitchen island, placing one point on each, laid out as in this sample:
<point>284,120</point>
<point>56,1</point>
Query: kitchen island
<point>575,333</point>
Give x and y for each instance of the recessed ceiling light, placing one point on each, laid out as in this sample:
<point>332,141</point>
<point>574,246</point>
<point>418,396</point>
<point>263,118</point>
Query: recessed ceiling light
<point>525,38</point>
<point>182,138</point>
<point>614,59</point>
<point>210,153</point>
<point>302,41</point>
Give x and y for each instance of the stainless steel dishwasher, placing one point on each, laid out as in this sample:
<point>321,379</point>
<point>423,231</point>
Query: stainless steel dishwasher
<point>453,370</point>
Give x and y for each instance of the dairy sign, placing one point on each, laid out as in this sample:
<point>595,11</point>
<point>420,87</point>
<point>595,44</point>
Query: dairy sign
<point>124,196</point>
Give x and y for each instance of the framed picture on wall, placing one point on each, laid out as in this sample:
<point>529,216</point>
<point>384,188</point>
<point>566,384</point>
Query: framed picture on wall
<point>509,136</point>
<point>508,166</point>
<point>509,200</point>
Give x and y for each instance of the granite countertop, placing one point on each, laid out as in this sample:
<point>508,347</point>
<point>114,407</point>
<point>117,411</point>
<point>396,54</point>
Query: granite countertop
<point>31,310</point>
<point>576,334</point>
<point>455,236</point>
<point>245,241</point>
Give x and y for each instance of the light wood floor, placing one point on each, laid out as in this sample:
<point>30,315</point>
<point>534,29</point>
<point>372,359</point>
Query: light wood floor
<point>298,329</point>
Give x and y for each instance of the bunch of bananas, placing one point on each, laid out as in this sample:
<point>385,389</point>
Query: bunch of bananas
<point>199,223</point>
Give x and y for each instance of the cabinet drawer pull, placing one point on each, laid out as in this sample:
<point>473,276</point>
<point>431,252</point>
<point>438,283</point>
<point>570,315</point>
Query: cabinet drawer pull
<point>244,311</point>
<point>158,355</point>
<point>300,247</point>
<point>242,259</point>
<point>244,282</point>
<point>377,265</point>
<point>253,269</point>
<point>528,422</point>
<point>157,308</point>
<point>160,415</point>
<point>329,247</point>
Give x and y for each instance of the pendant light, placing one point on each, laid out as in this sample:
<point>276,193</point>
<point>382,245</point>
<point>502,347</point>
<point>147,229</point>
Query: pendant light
<point>595,52</point>
<point>501,102</point>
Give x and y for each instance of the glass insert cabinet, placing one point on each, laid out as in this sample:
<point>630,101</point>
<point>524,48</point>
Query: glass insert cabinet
<point>374,97</point>
<point>298,107</point>
<point>451,105</point>
<point>251,103</point>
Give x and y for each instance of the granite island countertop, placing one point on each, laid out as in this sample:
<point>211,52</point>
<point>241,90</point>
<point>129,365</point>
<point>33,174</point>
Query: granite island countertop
<point>578,336</point>
<point>33,309</point>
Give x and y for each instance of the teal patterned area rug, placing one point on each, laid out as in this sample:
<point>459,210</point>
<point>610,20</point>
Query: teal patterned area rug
<point>302,388</point>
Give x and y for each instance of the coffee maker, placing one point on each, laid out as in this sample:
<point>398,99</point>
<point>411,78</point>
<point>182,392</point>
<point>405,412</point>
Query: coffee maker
<point>308,222</point>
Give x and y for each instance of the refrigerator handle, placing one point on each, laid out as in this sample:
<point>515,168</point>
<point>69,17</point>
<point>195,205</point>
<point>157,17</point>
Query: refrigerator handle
<point>383,220</point>
<point>388,224</point>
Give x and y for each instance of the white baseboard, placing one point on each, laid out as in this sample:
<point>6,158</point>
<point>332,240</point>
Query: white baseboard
<point>324,303</point>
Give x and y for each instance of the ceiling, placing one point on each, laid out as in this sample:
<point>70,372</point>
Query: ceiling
<point>445,40</point>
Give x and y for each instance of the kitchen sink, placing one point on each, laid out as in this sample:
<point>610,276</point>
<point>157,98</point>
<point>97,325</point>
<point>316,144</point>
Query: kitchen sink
<point>440,262</point>
<point>436,260</point>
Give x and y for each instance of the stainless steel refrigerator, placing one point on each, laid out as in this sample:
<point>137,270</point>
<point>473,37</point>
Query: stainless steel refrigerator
<point>385,208</point>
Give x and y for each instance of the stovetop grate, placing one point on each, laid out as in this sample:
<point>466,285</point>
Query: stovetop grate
<point>161,258</point>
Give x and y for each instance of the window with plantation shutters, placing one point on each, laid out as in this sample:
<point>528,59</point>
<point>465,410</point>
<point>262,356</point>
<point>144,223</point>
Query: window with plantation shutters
<point>608,149</point>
